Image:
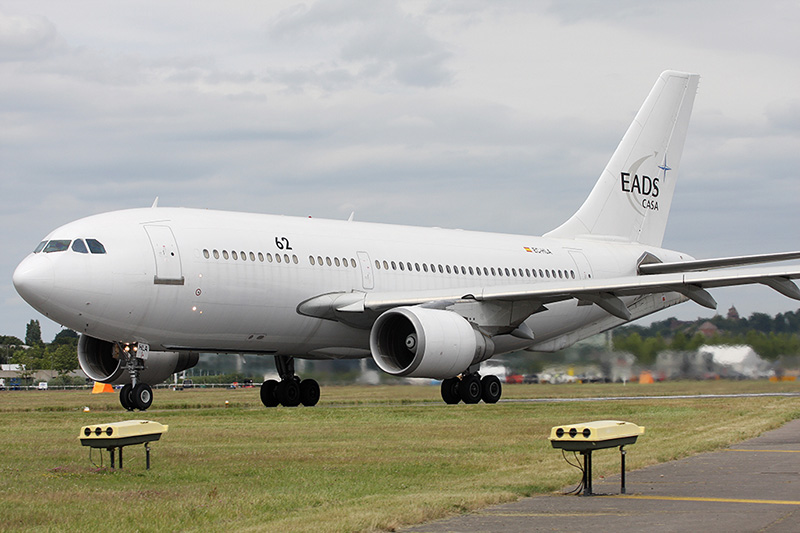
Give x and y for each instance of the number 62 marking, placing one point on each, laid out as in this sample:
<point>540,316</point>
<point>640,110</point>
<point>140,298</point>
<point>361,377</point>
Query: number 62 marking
<point>282,243</point>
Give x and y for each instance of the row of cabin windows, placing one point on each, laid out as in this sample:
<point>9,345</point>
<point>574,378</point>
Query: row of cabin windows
<point>252,256</point>
<point>278,258</point>
<point>476,271</point>
<point>393,265</point>
<point>332,261</point>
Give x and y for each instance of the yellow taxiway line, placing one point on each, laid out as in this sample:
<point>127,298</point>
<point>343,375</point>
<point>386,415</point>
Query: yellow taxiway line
<point>716,500</point>
<point>768,451</point>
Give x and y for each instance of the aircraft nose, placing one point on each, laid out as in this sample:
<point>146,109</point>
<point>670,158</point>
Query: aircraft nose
<point>33,279</point>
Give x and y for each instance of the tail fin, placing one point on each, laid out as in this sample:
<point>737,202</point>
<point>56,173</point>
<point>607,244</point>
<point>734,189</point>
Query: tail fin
<point>631,200</point>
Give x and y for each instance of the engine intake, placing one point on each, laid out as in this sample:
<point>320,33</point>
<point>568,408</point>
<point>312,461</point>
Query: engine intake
<point>431,343</point>
<point>98,361</point>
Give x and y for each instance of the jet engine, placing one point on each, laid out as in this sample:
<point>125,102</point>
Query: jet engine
<point>98,360</point>
<point>431,343</point>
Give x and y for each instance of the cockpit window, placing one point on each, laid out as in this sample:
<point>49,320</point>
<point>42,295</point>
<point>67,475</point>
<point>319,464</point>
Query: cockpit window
<point>79,246</point>
<point>56,246</point>
<point>40,247</point>
<point>95,246</point>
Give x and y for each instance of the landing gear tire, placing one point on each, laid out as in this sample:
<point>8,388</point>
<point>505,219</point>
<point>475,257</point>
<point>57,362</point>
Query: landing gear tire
<point>450,393</point>
<point>309,392</point>
<point>268,397</point>
<point>492,389</point>
<point>470,388</point>
<point>125,397</point>
<point>288,393</point>
<point>142,396</point>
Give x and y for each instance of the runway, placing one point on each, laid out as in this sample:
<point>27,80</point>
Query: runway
<point>668,397</point>
<point>751,486</point>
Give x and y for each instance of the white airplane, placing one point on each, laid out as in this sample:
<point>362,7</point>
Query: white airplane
<point>150,289</point>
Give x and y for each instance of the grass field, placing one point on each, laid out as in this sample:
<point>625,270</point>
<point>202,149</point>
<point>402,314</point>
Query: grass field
<point>366,458</point>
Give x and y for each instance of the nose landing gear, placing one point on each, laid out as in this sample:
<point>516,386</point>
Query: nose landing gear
<point>290,391</point>
<point>134,395</point>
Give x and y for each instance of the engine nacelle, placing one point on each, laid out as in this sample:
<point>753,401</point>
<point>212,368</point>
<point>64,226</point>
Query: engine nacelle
<point>98,361</point>
<point>429,343</point>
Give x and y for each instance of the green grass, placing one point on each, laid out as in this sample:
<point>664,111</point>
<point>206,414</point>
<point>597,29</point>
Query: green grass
<point>366,458</point>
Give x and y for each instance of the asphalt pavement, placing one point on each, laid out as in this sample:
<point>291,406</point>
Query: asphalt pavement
<point>751,486</point>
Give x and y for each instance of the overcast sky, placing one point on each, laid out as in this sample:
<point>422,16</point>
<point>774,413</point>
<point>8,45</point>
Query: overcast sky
<point>494,116</point>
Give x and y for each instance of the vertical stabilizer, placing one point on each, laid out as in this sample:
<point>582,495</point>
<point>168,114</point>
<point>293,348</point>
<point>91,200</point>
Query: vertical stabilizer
<point>631,200</point>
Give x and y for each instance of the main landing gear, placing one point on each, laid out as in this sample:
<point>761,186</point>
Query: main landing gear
<point>134,395</point>
<point>471,388</point>
<point>290,391</point>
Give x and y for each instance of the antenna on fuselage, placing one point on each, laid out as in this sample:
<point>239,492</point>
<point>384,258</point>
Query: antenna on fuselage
<point>155,203</point>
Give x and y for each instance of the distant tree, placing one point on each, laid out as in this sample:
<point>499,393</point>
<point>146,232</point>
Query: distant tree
<point>63,357</point>
<point>7,343</point>
<point>695,342</point>
<point>33,333</point>
<point>645,350</point>
<point>780,324</point>
<point>30,361</point>
<point>629,343</point>
<point>760,322</point>
<point>650,349</point>
<point>66,336</point>
<point>679,342</point>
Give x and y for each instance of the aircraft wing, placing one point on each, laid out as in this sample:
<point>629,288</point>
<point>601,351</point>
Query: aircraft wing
<point>707,264</point>
<point>605,293</point>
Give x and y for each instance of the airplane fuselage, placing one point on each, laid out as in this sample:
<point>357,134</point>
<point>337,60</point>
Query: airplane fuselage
<point>202,280</point>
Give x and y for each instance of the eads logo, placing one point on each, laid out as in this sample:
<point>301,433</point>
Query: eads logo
<point>645,188</point>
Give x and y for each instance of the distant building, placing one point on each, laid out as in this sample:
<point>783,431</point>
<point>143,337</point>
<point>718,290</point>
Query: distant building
<point>733,314</point>
<point>685,365</point>
<point>735,361</point>
<point>707,329</point>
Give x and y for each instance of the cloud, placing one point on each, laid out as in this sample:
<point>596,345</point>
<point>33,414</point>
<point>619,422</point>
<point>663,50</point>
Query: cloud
<point>785,116</point>
<point>494,116</point>
<point>377,40</point>
<point>27,37</point>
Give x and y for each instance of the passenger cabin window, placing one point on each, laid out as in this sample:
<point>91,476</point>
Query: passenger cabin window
<point>56,246</point>
<point>80,247</point>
